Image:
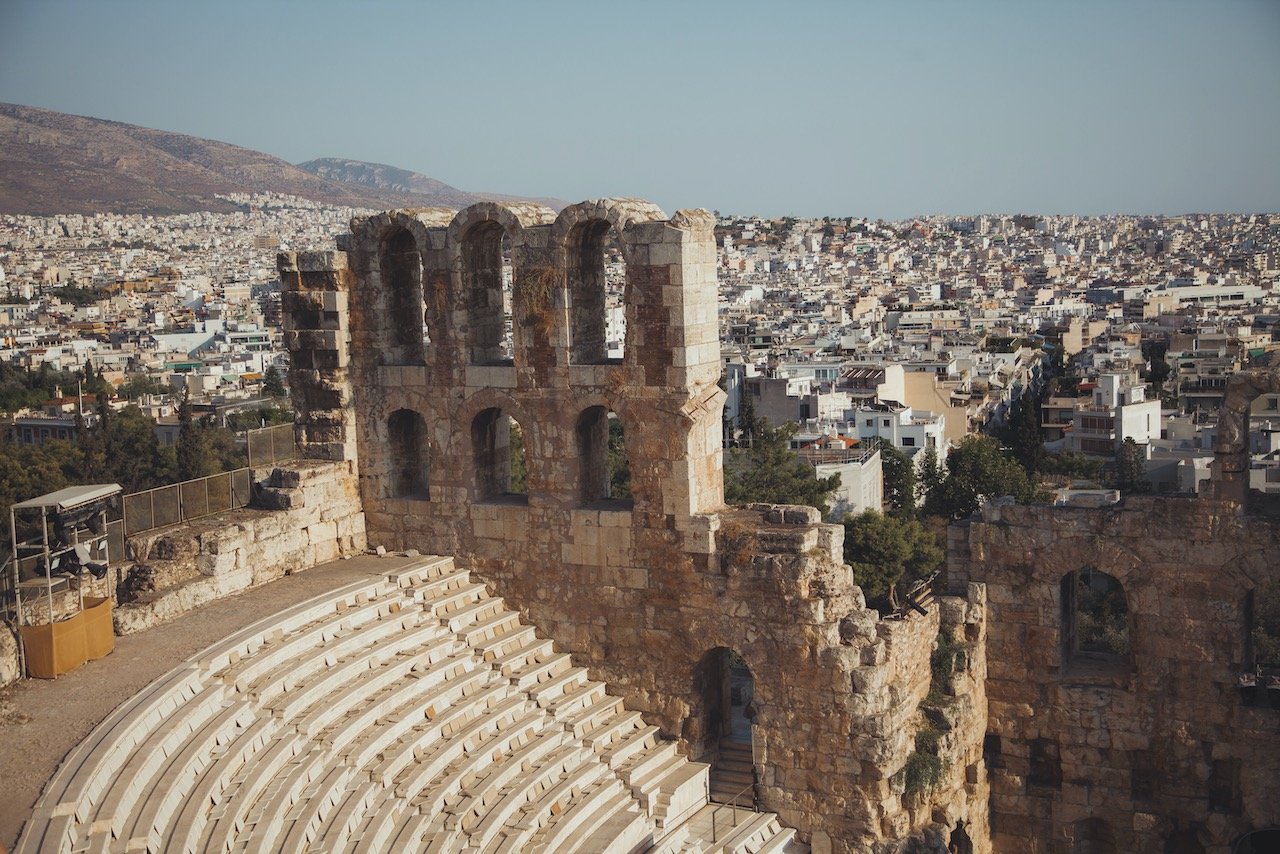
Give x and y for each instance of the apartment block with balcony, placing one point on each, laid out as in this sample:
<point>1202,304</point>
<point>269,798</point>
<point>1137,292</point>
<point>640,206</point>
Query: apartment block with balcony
<point>1118,410</point>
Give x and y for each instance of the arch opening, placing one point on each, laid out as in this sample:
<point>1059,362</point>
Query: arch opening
<point>602,451</point>
<point>1260,661</point>
<point>499,457</point>
<point>1095,618</point>
<point>400,265</point>
<point>596,278</point>
<point>409,456</point>
<point>959,842</point>
<point>726,691</point>
<point>1258,842</point>
<point>487,282</point>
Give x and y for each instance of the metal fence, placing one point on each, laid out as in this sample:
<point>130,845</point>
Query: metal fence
<point>205,496</point>
<point>191,499</point>
<point>271,445</point>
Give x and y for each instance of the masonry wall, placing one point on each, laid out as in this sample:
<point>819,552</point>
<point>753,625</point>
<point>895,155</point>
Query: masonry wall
<point>640,589</point>
<point>1160,750</point>
<point>309,513</point>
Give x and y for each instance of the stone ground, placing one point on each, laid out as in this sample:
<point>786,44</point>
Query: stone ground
<point>41,720</point>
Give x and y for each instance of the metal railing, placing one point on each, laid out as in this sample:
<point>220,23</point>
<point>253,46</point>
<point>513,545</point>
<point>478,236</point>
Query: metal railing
<point>271,445</point>
<point>733,805</point>
<point>190,499</point>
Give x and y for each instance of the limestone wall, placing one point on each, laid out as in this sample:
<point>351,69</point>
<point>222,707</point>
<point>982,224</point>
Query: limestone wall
<point>1132,752</point>
<point>644,588</point>
<point>309,513</point>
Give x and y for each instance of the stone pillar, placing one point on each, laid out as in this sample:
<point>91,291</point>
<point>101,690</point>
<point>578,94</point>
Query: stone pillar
<point>675,356</point>
<point>316,333</point>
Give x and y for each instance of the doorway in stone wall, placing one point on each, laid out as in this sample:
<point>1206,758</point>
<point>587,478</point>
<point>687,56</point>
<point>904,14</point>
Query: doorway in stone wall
<point>1258,842</point>
<point>728,702</point>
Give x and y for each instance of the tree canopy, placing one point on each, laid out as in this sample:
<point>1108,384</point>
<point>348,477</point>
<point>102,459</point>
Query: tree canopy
<point>900,482</point>
<point>978,468</point>
<point>888,554</point>
<point>273,383</point>
<point>769,471</point>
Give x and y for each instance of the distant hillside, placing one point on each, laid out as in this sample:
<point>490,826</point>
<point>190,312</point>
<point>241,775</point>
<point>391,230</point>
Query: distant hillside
<point>53,163</point>
<point>386,179</point>
<point>390,179</point>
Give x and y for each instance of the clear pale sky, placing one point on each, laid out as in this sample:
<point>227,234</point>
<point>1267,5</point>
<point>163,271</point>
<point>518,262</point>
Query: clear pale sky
<point>884,109</point>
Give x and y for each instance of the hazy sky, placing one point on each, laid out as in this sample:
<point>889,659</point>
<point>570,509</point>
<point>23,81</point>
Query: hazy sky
<point>884,109</point>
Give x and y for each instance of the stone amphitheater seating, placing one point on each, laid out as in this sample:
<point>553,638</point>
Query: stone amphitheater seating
<point>407,711</point>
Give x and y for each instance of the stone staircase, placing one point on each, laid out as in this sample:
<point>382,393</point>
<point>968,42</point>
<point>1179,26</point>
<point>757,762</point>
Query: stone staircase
<point>406,711</point>
<point>731,773</point>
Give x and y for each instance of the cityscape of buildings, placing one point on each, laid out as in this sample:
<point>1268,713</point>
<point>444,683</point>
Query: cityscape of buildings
<point>915,333</point>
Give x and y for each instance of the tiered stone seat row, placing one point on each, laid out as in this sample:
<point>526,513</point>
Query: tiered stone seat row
<point>405,712</point>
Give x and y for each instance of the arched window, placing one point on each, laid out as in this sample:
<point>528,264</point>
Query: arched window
<point>499,453</point>
<point>596,282</point>
<point>1258,842</point>
<point>1095,618</point>
<point>602,451</point>
<point>401,268</point>
<point>409,459</point>
<point>486,284</point>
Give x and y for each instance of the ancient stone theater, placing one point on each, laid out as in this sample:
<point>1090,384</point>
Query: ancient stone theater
<point>578,667</point>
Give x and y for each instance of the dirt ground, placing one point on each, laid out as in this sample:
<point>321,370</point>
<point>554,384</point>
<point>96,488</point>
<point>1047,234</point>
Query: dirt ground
<point>41,720</point>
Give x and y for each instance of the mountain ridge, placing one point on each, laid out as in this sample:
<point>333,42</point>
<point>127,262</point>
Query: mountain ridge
<point>59,163</point>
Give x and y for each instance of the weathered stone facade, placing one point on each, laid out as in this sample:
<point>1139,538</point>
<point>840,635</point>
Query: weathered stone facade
<point>1156,749</point>
<point>645,589</point>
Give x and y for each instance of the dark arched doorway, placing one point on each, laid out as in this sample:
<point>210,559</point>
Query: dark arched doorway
<point>727,691</point>
<point>1258,842</point>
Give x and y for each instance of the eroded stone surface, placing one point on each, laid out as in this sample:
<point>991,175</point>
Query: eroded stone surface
<point>641,590</point>
<point>1140,748</point>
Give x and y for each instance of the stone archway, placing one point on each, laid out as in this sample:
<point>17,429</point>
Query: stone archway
<point>1258,842</point>
<point>727,692</point>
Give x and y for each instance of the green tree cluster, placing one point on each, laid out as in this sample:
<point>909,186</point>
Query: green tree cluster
<point>23,387</point>
<point>978,468</point>
<point>273,384</point>
<point>258,417</point>
<point>619,465</point>
<point>1266,626</point>
<point>888,554</point>
<point>900,481</point>
<point>769,471</point>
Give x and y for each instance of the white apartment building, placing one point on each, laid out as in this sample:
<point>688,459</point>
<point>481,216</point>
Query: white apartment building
<point>1118,410</point>
<point>906,430</point>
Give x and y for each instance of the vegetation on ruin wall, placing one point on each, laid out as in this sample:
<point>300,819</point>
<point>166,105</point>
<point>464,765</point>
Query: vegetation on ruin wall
<point>925,766</point>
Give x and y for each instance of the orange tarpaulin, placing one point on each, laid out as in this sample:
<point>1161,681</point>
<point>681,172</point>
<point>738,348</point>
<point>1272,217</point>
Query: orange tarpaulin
<point>54,649</point>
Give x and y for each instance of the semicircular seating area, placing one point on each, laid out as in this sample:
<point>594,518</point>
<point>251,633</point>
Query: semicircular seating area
<point>409,711</point>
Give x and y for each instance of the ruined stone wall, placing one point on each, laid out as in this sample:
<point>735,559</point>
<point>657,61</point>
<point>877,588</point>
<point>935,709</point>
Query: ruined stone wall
<point>310,514</point>
<point>640,588</point>
<point>1155,750</point>
<point>306,513</point>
